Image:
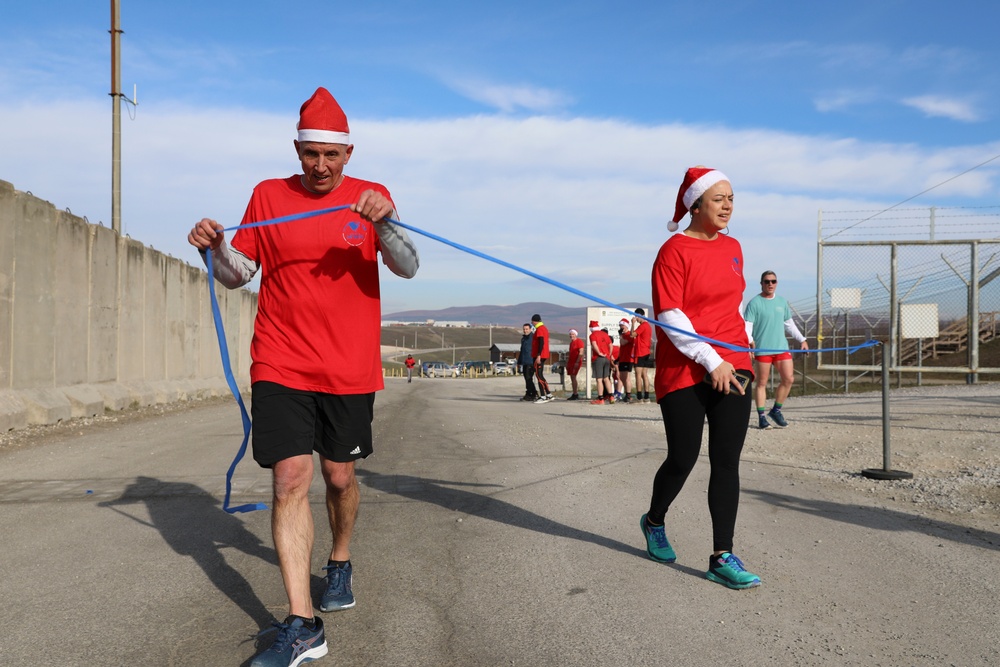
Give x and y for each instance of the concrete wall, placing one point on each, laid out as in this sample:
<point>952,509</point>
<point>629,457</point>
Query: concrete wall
<point>90,321</point>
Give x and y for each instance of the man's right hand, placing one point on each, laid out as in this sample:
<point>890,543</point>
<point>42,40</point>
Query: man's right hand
<point>206,234</point>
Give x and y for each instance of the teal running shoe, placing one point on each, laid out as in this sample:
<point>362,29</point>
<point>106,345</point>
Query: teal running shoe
<point>728,570</point>
<point>657,545</point>
<point>295,644</point>
<point>777,417</point>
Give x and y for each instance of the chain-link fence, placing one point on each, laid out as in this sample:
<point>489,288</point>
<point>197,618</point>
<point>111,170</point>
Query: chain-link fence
<point>926,288</point>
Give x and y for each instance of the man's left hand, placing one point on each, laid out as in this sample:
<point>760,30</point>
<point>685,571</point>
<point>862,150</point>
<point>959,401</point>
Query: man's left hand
<point>373,206</point>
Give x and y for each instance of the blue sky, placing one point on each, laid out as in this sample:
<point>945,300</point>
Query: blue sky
<point>551,135</point>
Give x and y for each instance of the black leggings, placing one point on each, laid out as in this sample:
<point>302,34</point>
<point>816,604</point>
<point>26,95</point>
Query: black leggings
<point>684,412</point>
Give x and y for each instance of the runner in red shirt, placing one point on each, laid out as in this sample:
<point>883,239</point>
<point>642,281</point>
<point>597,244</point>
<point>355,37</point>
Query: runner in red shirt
<point>698,288</point>
<point>575,362</point>
<point>600,358</point>
<point>540,354</point>
<point>315,350</point>
<point>642,334</point>
<point>626,358</point>
<point>410,363</point>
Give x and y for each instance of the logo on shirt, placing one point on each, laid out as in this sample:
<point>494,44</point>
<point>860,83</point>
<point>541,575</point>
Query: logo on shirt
<point>736,266</point>
<point>355,232</point>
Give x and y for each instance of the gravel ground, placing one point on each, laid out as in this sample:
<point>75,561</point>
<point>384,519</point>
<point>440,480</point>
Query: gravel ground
<point>945,436</point>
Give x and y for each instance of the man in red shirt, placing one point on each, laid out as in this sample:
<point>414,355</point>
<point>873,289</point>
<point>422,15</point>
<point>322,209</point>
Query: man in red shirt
<point>600,346</point>
<point>315,350</point>
<point>642,336</point>
<point>626,358</point>
<point>410,363</point>
<point>574,362</point>
<point>540,354</point>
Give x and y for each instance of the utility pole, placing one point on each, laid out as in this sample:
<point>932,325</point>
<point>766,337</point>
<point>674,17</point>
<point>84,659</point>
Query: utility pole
<point>116,120</point>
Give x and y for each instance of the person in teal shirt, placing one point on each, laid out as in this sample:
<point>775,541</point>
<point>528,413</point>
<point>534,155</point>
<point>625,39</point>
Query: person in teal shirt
<point>771,321</point>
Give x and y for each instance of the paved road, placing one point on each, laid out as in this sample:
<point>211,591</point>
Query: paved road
<point>492,533</point>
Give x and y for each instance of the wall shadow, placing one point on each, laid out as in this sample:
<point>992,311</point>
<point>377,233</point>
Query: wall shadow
<point>444,494</point>
<point>880,519</point>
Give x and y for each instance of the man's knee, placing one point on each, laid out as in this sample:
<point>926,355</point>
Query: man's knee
<point>339,477</point>
<point>292,476</point>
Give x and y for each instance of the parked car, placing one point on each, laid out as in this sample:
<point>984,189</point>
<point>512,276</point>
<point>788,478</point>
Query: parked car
<point>477,367</point>
<point>503,368</point>
<point>439,369</point>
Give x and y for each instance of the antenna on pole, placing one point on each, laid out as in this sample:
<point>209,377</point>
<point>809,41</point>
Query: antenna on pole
<point>116,120</point>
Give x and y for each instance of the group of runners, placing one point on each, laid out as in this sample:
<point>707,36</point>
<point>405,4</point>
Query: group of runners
<point>313,379</point>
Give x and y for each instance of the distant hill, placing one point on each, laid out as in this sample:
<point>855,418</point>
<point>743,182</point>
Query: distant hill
<point>558,318</point>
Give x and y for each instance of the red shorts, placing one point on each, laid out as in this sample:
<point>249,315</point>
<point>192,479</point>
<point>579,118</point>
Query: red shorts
<point>771,358</point>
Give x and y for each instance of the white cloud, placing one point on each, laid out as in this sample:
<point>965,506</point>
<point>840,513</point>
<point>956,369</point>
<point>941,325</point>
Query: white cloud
<point>510,98</point>
<point>937,106</point>
<point>843,99</point>
<point>580,200</point>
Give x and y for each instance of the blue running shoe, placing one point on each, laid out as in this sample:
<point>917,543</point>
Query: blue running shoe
<point>295,644</point>
<point>657,545</point>
<point>777,417</point>
<point>338,593</point>
<point>762,422</point>
<point>728,570</point>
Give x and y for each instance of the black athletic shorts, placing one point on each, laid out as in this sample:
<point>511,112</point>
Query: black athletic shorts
<point>625,367</point>
<point>291,422</point>
<point>645,361</point>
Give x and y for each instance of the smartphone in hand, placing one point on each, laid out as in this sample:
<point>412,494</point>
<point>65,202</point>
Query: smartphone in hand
<point>744,378</point>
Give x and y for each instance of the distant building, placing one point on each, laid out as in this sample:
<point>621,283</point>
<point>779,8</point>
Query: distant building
<point>448,324</point>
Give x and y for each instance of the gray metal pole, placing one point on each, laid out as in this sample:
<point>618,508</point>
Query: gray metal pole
<point>974,311</point>
<point>886,471</point>
<point>116,119</point>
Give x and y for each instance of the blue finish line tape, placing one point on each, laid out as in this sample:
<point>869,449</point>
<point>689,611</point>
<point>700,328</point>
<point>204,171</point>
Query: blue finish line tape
<point>231,380</point>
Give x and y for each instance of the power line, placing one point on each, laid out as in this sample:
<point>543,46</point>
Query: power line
<point>933,187</point>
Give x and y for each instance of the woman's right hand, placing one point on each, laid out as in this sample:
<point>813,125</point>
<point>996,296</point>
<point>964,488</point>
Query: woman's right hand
<point>724,379</point>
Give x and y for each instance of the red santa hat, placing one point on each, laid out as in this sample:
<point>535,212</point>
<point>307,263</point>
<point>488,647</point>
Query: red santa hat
<point>594,326</point>
<point>322,120</point>
<point>574,331</point>
<point>697,181</point>
<point>624,322</point>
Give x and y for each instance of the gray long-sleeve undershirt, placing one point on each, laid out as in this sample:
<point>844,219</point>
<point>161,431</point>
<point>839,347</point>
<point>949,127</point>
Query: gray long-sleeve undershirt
<point>234,269</point>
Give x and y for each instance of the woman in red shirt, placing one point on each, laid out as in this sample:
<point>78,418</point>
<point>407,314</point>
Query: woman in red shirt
<point>698,287</point>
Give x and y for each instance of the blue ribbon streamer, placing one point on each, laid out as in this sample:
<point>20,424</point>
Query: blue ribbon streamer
<point>220,332</point>
<point>231,380</point>
<point>227,368</point>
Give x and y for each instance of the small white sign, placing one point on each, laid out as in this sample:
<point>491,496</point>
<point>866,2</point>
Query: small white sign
<point>845,298</point>
<point>918,320</point>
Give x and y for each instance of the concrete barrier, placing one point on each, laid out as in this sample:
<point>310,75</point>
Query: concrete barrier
<point>101,322</point>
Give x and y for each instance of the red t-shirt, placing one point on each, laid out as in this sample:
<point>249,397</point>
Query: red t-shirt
<point>540,343</point>
<point>575,356</point>
<point>627,352</point>
<point>704,279</point>
<point>603,341</point>
<point>643,337</point>
<point>318,311</point>
<point>410,362</point>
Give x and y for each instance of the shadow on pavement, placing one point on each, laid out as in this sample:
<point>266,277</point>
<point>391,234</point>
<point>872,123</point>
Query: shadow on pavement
<point>440,492</point>
<point>880,519</point>
<point>193,523</point>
